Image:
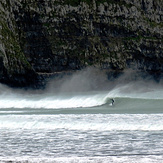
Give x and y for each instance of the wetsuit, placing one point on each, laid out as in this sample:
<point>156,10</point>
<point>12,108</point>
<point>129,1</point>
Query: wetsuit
<point>112,101</point>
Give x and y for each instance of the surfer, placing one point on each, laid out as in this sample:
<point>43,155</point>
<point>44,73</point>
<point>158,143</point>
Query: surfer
<point>112,101</point>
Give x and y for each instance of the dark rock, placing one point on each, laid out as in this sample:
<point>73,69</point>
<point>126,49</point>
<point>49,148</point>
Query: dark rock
<point>57,36</point>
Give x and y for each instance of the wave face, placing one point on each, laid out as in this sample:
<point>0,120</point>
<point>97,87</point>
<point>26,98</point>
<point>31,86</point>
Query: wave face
<point>50,101</point>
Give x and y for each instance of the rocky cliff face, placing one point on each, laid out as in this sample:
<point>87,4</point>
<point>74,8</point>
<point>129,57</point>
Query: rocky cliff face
<point>47,36</point>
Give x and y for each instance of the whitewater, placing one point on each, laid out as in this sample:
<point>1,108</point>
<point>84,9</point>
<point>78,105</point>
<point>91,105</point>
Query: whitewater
<point>71,125</point>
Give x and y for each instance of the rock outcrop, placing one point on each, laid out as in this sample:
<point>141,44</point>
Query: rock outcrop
<point>49,36</point>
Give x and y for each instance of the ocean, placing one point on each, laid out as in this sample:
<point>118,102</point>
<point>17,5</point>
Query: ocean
<point>82,126</point>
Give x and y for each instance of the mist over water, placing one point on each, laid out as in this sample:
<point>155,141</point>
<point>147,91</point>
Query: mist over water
<point>128,84</point>
<point>86,80</point>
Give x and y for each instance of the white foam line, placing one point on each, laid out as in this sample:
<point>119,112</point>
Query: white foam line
<point>83,122</point>
<point>114,159</point>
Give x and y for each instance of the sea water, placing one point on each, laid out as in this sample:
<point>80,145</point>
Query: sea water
<point>73,127</point>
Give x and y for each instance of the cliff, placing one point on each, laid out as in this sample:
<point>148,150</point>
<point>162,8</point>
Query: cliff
<point>47,36</point>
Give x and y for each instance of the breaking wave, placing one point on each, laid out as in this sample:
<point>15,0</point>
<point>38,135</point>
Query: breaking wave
<point>20,100</point>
